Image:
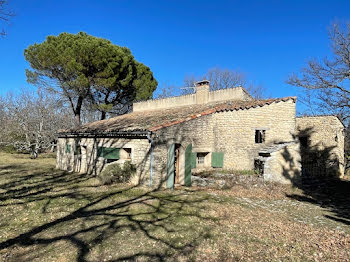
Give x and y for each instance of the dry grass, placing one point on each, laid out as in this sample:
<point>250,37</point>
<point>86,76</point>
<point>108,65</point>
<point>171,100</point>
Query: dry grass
<point>50,215</point>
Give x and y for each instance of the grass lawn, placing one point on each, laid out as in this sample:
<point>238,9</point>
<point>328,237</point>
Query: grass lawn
<point>51,215</point>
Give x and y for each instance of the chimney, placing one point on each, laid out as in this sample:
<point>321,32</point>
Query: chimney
<point>202,91</point>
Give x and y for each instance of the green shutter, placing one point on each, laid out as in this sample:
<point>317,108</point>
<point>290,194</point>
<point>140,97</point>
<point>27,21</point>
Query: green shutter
<point>99,151</point>
<point>188,165</point>
<point>217,159</point>
<point>108,152</point>
<point>171,166</point>
<point>68,148</point>
<point>194,159</point>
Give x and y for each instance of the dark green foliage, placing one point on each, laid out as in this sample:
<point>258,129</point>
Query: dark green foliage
<point>86,68</point>
<point>115,173</point>
<point>8,149</point>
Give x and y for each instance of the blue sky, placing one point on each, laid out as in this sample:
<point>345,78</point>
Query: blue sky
<point>265,39</point>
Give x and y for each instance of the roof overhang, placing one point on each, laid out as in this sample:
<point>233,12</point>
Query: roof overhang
<point>101,134</point>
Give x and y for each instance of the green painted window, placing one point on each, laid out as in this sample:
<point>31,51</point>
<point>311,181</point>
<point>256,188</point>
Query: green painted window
<point>194,159</point>
<point>68,148</point>
<point>108,152</point>
<point>217,159</point>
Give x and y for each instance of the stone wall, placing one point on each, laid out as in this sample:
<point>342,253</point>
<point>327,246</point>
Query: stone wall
<point>235,132</point>
<point>198,132</point>
<point>224,94</point>
<point>324,152</point>
<point>202,96</point>
<point>232,133</point>
<point>87,162</point>
<point>165,103</point>
<point>284,165</point>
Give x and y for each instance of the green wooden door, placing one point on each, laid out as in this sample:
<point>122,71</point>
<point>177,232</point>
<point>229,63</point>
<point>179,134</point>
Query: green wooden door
<point>171,166</point>
<point>188,165</point>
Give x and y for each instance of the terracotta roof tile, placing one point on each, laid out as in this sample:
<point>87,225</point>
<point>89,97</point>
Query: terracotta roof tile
<point>153,120</point>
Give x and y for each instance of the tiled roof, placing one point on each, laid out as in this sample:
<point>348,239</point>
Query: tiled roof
<point>156,119</point>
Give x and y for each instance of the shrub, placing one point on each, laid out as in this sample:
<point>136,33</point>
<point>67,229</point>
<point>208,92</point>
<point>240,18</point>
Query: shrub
<point>116,173</point>
<point>8,149</point>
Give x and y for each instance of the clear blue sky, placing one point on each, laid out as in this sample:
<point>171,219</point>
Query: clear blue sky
<point>265,39</point>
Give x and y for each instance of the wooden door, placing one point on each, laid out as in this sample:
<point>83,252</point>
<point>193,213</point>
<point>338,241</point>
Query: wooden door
<point>188,164</point>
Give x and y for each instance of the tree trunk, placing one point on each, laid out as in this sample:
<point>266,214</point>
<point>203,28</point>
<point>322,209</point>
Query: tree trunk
<point>103,115</point>
<point>77,111</point>
<point>77,119</point>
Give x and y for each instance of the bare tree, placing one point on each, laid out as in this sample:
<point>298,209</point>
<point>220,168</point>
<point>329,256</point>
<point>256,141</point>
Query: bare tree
<point>327,82</point>
<point>31,121</point>
<point>5,14</point>
<point>166,91</point>
<point>224,78</point>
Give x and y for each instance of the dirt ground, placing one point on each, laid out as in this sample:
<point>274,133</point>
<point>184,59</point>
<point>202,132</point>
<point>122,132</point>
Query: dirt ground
<point>51,215</point>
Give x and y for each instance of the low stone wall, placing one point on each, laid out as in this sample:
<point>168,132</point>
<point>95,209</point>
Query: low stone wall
<point>165,103</point>
<point>284,164</point>
<point>236,93</point>
<point>202,96</point>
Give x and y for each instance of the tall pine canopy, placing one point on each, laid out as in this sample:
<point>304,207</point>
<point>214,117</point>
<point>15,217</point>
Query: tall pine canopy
<point>87,70</point>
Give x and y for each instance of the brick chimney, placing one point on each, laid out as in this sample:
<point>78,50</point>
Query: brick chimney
<point>202,91</point>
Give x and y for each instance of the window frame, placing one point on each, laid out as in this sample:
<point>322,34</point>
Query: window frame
<point>200,161</point>
<point>260,136</point>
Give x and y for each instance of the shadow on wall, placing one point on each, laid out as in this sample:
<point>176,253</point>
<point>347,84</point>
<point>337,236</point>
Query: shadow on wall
<point>320,182</point>
<point>95,214</point>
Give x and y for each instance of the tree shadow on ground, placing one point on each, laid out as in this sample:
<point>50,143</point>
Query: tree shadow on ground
<point>320,182</point>
<point>88,216</point>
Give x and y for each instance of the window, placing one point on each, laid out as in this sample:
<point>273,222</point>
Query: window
<point>201,158</point>
<point>68,148</point>
<point>259,136</point>
<point>126,153</point>
<point>304,141</point>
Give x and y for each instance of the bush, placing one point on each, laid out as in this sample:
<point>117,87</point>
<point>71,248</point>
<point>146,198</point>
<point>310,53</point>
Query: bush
<point>115,173</point>
<point>8,149</point>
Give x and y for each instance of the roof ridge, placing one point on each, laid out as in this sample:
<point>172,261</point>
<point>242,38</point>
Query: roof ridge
<point>217,109</point>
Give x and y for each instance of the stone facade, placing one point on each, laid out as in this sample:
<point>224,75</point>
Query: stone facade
<point>235,131</point>
<point>202,96</point>
<point>322,145</point>
<point>88,162</point>
<point>233,134</point>
<point>282,163</point>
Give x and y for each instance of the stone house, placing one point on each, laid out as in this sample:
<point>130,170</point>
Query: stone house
<point>168,139</point>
